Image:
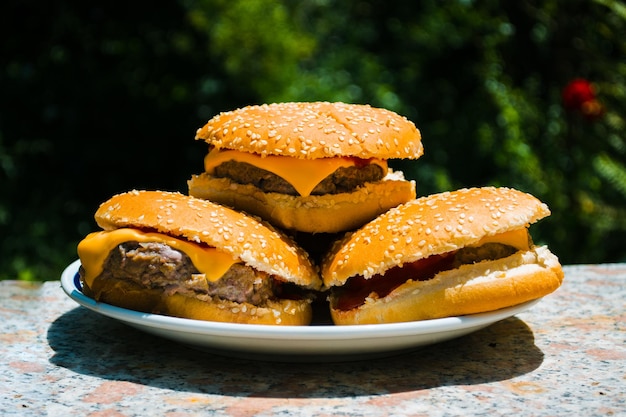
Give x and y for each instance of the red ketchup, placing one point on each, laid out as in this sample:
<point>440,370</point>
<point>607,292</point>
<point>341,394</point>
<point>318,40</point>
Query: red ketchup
<point>357,289</point>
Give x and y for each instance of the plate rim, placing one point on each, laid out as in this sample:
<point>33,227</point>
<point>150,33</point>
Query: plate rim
<point>261,331</point>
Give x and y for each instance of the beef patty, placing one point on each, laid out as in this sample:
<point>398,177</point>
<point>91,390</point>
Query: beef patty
<point>343,180</point>
<point>487,252</point>
<point>157,265</point>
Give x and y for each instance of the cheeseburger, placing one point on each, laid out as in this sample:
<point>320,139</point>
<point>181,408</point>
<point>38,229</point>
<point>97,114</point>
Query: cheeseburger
<point>308,167</point>
<point>448,254</point>
<point>177,255</point>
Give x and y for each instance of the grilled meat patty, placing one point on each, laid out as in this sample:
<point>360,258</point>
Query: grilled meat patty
<point>156,265</point>
<point>486,252</point>
<point>341,181</point>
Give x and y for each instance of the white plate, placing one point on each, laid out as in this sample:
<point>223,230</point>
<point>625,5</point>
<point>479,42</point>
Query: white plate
<point>292,343</point>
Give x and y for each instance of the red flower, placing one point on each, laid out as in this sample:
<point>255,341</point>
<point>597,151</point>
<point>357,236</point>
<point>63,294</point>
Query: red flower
<point>579,96</point>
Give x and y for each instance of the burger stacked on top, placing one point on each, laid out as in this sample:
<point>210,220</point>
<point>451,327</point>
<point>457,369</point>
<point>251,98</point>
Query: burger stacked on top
<point>308,167</point>
<point>296,201</point>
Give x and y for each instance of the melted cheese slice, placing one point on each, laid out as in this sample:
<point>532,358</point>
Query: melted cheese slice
<point>95,248</point>
<point>516,238</point>
<point>302,174</point>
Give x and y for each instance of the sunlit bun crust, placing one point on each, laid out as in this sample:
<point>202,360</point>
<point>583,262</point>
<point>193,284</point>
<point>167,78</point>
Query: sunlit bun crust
<point>314,130</point>
<point>133,297</point>
<point>257,244</point>
<point>428,226</point>
<point>329,213</point>
<point>481,287</point>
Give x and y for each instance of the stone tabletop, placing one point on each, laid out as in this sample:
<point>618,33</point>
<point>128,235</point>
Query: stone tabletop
<point>564,356</point>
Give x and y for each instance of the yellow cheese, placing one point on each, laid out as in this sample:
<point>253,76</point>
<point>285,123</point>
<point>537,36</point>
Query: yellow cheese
<point>94,249</point>
<point>516,238</point>
<point>302,174</point>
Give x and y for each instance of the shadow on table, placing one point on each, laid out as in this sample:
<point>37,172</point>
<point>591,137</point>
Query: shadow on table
<point>90,344</point>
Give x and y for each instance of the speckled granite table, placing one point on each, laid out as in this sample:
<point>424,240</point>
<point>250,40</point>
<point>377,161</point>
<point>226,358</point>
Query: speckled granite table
<point>564,356</point>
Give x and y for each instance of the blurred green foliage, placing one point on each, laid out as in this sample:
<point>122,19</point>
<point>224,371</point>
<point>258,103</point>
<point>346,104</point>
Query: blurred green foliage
<point>102,97</point>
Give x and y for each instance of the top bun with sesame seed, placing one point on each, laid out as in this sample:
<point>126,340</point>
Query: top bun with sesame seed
<point>311,167</point>
<point>448,254</point>
<point>168,253</point>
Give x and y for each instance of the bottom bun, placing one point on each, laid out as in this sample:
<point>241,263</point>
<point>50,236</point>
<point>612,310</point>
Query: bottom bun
<point>134,297</point>
<point>331,213</point>
<point>469,289</point>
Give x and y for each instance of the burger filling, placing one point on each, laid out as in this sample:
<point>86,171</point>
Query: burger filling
<point>294,176</point>
<point>358,289</point>
<point>155,265</point>
<point>344,179</point>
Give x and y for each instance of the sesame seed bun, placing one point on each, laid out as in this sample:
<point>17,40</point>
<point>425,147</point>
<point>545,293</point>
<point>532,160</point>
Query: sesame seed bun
<point>283,312</point>
<point>244,237</point>
<point>429,226</point>
<point>247,239</point>
<point>441,224</point>
<point>314,130</point>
